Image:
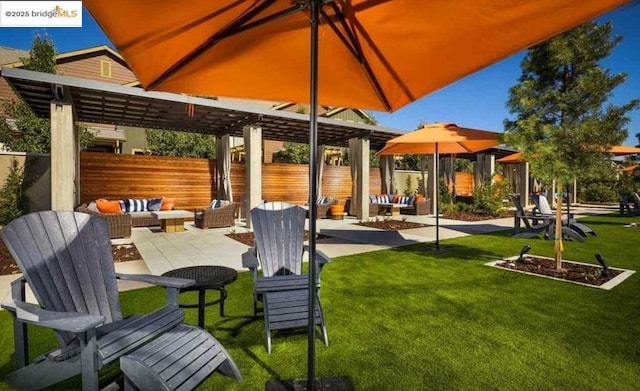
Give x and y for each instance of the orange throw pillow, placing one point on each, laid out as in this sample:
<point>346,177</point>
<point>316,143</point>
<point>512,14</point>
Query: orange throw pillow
<point>396,197</point>
<point>419,198</point>
<point>168,203</point>
<point>106,206</point>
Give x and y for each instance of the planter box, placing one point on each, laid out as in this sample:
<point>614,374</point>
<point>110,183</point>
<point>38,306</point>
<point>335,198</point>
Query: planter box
<point>606,286</point>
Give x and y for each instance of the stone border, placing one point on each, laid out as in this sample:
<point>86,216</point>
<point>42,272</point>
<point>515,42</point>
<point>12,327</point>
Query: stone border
<point>626,273</point>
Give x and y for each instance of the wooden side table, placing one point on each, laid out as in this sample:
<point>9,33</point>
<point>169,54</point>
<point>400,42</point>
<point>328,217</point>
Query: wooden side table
<point>172,220</point>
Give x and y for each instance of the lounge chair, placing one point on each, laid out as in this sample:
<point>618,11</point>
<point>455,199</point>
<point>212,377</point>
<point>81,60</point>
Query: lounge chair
<point>222,216</point>
<point>282,288</point>
<point>543,209</point>
<point>547,226</point>
<point>636,200</point>
<point>625,207</point>
<point>67,260</point>
<point>322,208</point>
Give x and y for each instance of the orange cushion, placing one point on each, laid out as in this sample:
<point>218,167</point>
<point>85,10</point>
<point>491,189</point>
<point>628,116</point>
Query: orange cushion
<point>419,198</point>
<point>168,203</point>
<point>395,198</point>
<point>106,206</point>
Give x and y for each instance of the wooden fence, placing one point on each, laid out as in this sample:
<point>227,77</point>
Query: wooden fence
<point>194,181</point>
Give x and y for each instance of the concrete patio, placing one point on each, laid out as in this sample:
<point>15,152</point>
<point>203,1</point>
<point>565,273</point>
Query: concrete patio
<point>162,252</point>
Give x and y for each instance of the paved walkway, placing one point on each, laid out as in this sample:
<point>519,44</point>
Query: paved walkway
<point>167,251</point>
<point>162,252</point>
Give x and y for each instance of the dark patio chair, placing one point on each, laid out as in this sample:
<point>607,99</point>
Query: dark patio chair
<point>545,225</point>
<point>627,208</point>
<point>282,288</point>
<point>544,209</point>
<point>67,260</point>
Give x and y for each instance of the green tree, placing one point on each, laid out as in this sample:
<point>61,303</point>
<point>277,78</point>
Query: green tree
<point>28,132</point>
<point>11,202</point>
<point>292,153</point>
<point>182,144</point>
<point>563,120</point>
<point>462,165</point>
<point>411,162</point>
<point>42,55</point>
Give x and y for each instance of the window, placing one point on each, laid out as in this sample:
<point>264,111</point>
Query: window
<point>105,68</point>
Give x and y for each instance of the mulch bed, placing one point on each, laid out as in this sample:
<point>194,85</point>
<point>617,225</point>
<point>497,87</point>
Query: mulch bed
<point>585,274</point>
<point>121,253</point>
<point>469,216</point>
<point>392,225</point>
<point>248,238</point>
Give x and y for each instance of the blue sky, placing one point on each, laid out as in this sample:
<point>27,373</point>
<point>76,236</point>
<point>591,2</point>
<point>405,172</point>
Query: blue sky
<point>477,101</point>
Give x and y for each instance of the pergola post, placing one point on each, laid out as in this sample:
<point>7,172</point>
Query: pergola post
<point>65,161</point>
<point>525,197</point>
<point>363,180</point>
<point>359,161</point>
<point>432,181</point>
<point>253,160</point>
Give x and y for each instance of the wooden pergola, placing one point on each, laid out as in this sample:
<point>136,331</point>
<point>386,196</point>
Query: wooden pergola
<point>67,100</point>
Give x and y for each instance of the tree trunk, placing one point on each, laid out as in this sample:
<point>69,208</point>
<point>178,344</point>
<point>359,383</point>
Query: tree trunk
<point>558,234</point>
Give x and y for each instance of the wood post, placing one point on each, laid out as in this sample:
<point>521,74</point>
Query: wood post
<point>558,233</point>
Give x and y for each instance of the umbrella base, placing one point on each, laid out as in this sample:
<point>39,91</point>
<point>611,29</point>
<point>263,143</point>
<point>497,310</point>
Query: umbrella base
<point>442,249</point>
<point>327,384</point>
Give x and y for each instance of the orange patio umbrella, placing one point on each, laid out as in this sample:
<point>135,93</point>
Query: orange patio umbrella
<point>618,150</point>
<point>436,138</point>
<point>446,137</point>
<point>369,54</point>
<point>378,55</point>
<point>513,158</point>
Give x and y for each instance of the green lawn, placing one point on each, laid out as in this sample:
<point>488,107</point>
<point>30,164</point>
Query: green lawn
<point>413,319</point>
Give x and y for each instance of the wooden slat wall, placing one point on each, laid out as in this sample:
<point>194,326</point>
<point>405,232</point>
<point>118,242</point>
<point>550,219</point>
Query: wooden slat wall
<point>194,181</point>
<point>464,183</point>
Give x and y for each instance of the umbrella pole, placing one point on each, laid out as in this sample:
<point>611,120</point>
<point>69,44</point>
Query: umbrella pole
<point>313,190</point>
<point>437,206</point>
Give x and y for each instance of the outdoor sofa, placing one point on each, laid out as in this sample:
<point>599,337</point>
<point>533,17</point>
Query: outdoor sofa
<point>416,205</point>
<point>120,223</point>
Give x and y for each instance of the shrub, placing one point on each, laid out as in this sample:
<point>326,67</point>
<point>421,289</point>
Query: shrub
<point>599,192</point>
<point>444,208</point>
<point>445,196</point>
<point>409,190</point>
<point>11,194</point>
<point>488,197</point>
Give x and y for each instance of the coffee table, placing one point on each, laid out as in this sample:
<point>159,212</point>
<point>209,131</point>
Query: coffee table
<point>172,220</point>
<point>394,209</point>
<point>206,277</point>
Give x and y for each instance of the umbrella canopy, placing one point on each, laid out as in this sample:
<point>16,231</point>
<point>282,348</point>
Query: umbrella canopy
<point>624,150</point>
<point>359,52</point>
<point>618,150</point>
<point>437,138</point>
<point>449,137</point>
<point>373,54</point>
<point>513,158</point>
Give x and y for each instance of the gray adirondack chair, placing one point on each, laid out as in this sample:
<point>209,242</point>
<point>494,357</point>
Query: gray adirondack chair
<point>543,209</point>
<point>282,288</point>
<point>66,259</point>
<point>545,224</point>
<point>626,208</point>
